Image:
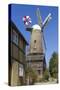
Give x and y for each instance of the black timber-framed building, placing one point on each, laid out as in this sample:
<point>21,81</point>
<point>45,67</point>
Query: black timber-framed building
<point>17,57</point>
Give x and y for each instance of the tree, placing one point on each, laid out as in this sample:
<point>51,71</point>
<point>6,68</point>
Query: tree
<point>31,75</point>
<point>46,74</point>
<point>53,65</point>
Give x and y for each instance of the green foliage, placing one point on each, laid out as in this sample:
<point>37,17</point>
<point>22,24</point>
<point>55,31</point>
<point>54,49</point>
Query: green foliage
<point>41,79</point>
<point>32,74</point>
<point>46,74</point>
<point>53,65</point>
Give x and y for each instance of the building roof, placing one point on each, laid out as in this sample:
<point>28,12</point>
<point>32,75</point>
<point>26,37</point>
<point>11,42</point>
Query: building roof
<point>11,24</point>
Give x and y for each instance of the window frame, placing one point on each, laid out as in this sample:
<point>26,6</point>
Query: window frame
<point>15,37</point>
<point>21,70</point>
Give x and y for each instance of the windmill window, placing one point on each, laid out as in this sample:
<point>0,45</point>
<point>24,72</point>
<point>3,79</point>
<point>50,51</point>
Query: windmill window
<point>34,45</point>
<point>34,41</point>
<point>39,72</point>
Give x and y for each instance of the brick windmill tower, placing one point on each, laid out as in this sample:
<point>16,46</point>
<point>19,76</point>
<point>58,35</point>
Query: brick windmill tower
<point>36,56</point>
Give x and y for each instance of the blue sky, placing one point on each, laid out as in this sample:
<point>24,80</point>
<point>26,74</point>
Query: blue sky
<point>50,32</point>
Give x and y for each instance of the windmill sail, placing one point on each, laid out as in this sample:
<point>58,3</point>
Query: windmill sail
<point>44,40</point>
<point>41,24</point>
<point>39,17</point>
<point>46,21</point>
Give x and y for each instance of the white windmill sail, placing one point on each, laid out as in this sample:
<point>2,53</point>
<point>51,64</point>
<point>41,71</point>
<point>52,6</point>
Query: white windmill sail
<point>48,18</point>
<point>40,24</point>
<point>44,41</point>
<point>39,17</point>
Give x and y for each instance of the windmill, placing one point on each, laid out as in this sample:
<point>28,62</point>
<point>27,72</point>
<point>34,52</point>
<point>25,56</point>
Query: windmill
<point>27,22</point>
<point>36,56</point>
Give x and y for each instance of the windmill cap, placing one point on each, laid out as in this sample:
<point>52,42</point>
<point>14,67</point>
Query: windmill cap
<point>36,27</point>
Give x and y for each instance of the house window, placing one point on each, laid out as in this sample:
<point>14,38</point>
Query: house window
<point>21,70</point>
<point>24,46</point>
<point>15,37</point>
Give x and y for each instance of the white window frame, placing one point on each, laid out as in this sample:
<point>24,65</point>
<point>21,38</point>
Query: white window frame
<point>15,37</point>
<point>21,70</point>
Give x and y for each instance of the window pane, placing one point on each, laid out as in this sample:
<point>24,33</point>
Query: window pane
<point>21,70</point>
<point>15,37</point>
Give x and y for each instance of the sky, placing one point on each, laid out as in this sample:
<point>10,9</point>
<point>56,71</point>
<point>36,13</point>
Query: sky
<point>18,11</point>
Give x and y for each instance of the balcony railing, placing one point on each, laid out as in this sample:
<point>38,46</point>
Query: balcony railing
<point>34,57</point>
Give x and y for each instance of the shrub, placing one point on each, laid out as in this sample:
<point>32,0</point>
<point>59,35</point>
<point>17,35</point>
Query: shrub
<point>46,75</point>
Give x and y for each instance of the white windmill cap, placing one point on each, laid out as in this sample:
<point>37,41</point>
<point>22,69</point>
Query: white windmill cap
<point>36,27</point>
